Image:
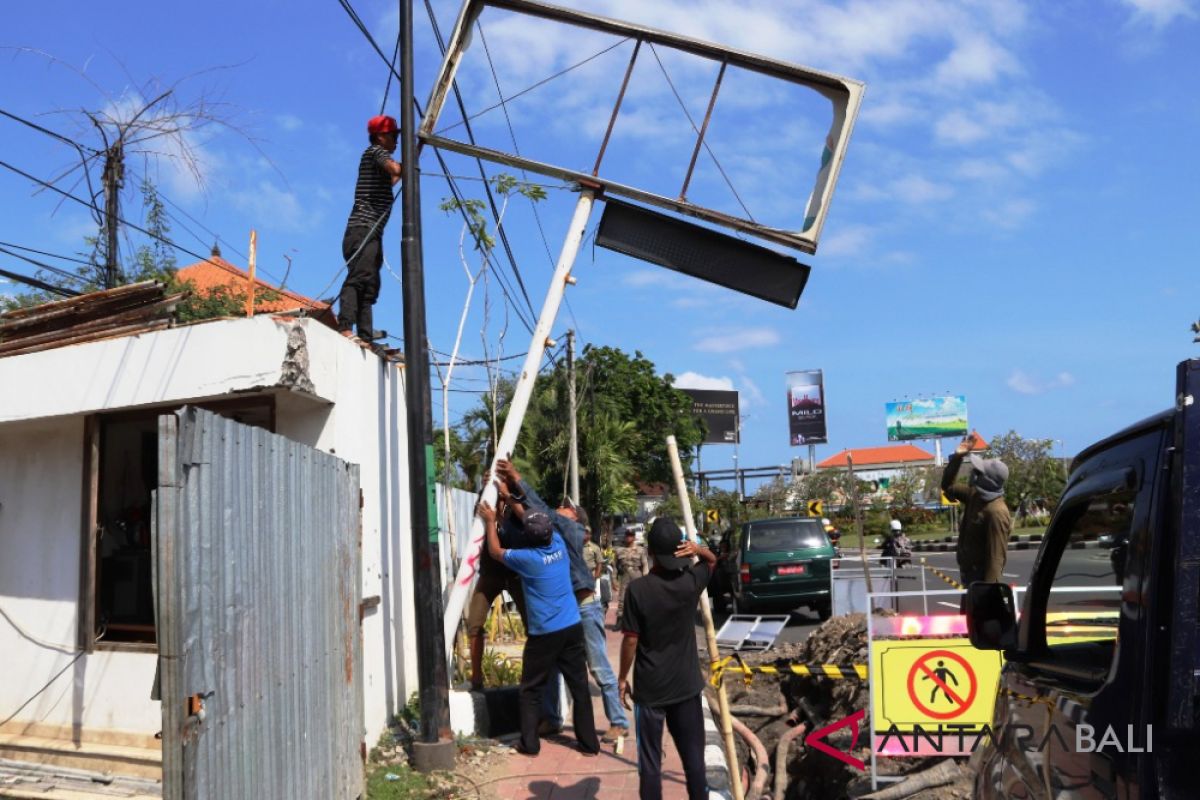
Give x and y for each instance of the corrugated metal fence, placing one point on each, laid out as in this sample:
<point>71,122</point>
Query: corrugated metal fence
<point>258,577</point>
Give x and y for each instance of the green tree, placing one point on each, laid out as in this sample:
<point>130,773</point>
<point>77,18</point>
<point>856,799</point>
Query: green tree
<point>626,411</point>
<point>1034,474</point>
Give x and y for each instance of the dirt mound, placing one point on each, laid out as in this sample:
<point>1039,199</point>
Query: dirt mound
<point>819,702</point>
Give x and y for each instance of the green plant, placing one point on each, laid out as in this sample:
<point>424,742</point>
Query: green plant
<point>411,713</point>
<point>405,784</point>
<point>500,670</point>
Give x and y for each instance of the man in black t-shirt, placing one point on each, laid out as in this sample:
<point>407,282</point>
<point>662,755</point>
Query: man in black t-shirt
<point>660,644</point>
<point>362,244</point>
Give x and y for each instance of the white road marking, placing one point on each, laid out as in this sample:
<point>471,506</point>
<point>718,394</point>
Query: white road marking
<point>955,606</point>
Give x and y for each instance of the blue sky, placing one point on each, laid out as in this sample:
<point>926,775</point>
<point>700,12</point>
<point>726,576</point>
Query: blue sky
<point>1015,221</point>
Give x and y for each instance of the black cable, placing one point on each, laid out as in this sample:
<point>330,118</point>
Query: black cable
<point>216,236</point>
<point>43,265</point>
<point>512,133</point>
<point>79,148</point>
<point>125,222</point>
<point>45,253</point>
<point>537,85</point>
<point>48,684</point>
<point>487,187</point>
<point>48,132</point>
<point>687,114</point>
<point>454,191</point>
<point>36,284</point>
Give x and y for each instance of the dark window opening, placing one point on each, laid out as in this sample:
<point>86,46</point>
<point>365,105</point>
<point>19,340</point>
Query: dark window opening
<point>127,477</point>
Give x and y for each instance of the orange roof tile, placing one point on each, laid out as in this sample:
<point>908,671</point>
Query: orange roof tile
<point>980,442</point>
<point>871,456</point>
<point>216,271</point>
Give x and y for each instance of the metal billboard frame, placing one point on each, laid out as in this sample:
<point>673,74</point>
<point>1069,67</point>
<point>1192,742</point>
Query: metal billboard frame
<point>845,95</point>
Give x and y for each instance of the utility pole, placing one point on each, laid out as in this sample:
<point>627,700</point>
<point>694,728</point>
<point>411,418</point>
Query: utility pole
<point>114,179</point>
<point>574,459</point>
<point>858,522</point>
<point>435,749</point>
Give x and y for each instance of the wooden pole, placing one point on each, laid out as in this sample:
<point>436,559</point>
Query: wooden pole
<point>250,267</point>
<point>714,655</point>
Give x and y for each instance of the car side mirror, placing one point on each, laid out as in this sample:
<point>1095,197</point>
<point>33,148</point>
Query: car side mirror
<point>991,616</point>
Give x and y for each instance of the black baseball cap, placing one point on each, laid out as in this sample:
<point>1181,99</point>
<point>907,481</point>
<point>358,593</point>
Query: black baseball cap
<point>663,540</point>
<point>538,528</point>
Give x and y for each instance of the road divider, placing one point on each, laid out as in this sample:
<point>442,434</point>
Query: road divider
<point>955,584</point>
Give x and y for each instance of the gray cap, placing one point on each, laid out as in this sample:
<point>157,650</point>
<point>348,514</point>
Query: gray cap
<point>988,476</point>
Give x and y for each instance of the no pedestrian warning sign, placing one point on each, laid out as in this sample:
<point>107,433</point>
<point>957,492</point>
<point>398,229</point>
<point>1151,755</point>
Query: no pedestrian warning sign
<point>939,689</point>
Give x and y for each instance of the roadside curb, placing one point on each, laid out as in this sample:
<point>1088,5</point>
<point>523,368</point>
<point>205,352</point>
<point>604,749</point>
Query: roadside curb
<point>716,769</point>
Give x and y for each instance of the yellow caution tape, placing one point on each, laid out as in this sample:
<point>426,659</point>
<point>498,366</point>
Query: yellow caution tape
<point>836,671</point>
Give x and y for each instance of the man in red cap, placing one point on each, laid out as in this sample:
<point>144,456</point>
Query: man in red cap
<point>362,244</point>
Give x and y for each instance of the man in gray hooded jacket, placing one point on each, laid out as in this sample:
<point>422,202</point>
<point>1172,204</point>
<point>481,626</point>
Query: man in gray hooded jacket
<point>986,522</point>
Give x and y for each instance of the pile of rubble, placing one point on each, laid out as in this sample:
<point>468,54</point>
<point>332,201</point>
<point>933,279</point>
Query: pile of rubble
<point>776,703</point>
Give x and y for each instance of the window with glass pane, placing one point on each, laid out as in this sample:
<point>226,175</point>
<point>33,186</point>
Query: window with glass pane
<point>1084,604</point>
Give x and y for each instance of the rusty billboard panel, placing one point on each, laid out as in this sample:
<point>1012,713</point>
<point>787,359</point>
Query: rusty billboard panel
<point>258,586</point>
<point>843,94</point>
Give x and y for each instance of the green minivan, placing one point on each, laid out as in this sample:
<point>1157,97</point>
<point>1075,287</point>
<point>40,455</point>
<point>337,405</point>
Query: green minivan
<point>777,565</point>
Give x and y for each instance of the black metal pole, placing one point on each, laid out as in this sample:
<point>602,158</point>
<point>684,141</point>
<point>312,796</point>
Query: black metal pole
<point>426,566</point>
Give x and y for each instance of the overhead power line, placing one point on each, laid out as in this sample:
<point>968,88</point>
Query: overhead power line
<point>525,318</point>
<point>85,203</point>
<point>43,265</point>
<point>36,284</point>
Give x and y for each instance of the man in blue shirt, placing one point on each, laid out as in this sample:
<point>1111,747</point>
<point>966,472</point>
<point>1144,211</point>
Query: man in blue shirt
<point>555,635</point>
<point>566,521</point>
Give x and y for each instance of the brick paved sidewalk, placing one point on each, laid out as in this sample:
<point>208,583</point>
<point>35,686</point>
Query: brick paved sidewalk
<point>560,772</point>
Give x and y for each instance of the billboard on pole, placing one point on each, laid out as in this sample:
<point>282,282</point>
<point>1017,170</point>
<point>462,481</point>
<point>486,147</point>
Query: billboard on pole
<point>927,419</point>
<point>719,410</point>
<point>806,407</point>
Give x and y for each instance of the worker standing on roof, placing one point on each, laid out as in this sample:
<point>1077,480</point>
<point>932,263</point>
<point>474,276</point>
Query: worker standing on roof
<point>362,244</point>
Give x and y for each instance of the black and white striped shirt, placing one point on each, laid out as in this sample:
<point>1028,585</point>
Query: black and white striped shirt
<point>373,191</point>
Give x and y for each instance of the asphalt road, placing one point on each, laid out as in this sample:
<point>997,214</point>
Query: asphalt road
<point>1079,568</point>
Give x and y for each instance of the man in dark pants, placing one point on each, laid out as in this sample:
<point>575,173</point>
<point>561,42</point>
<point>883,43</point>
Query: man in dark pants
<point>566,522</point>
<point>660,634</point>
<point>362,244</point>
<point>555,634</point>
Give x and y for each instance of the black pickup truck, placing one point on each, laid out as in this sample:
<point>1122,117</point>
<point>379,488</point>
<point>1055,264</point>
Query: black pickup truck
<point>1100,693</point>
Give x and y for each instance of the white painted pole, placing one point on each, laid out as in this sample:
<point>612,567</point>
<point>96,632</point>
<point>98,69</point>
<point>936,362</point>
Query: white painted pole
<point>522,394</point>
<point>714,655</point>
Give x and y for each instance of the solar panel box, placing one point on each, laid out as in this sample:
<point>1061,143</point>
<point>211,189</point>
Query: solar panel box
<point>702,253</point>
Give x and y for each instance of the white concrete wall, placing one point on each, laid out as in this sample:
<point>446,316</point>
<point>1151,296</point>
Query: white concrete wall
<point>367,426</point>
<point>41,488</point>
<point>41,448</point>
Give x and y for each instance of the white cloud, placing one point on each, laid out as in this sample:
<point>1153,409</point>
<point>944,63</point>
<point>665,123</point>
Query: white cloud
<point>267,204</point>
<point>750,390</point>
<point>1024,383</point>
<point>1011,213</point>
<point>975,59</point>
<point>847,240</point>
<point>919,189</point>
<point>730,341</point>
<point>1160,13</point>
<point>958,128</point>
<point>289,122</point>
<point>647,277</point>
<point>694,380</point>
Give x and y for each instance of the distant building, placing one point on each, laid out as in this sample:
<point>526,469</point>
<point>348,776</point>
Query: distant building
<point>878,465</point>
